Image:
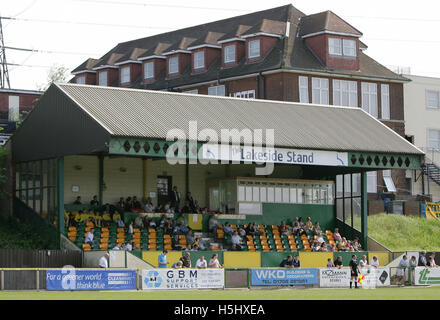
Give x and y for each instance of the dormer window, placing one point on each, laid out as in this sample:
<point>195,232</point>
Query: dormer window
<point>81,80</point>
<point>254,49</point>
<point>173,65</point>
<point>149,70</point>
<point>125,74</point>
<point>342,47</point>
<point>103,78</point>
<point>229,54</point>
<point>199,60</point>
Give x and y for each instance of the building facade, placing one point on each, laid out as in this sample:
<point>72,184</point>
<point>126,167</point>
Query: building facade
<point>277,54</point>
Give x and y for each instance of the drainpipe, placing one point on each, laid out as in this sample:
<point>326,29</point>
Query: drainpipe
<point>263,77</point>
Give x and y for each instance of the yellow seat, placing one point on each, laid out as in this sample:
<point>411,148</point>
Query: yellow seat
<point>103,246</point>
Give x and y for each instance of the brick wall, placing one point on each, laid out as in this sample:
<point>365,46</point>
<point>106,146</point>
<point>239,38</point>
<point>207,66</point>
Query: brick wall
<point>26,103</point>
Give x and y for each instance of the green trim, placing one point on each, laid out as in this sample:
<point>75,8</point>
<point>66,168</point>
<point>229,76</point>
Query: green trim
<point>364,211</point>
<point>384,160</point>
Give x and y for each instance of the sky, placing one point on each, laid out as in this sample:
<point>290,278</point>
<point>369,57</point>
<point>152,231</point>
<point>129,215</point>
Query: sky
<point>66,32</point>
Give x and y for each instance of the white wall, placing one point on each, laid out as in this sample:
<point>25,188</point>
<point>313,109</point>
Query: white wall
<point>86,178</point>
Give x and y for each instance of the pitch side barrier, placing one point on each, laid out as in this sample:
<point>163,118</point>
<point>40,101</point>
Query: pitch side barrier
<point>70,279</point>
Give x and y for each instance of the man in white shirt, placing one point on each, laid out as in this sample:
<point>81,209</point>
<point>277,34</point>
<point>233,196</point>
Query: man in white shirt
<point>374,262</point>
<point>128,246</point>
<point>89,237</point>
<point>236,241</point>
<point>103,262</point>
<point>201,263</point>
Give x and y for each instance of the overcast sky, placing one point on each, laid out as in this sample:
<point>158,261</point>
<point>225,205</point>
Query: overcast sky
<point>398,33</point>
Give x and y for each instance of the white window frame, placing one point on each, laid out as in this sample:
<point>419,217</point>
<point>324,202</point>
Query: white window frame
<point>149,70</point>
<point>247,94</point>
<point>320,91</point>
<point>199,60</point>
<point>103,78</point>
<point>254,49</point>
<point>81,80</point>
<point>335,46</point>
<point>388,180</point>
<point>372,182</point>
<point>195,91</point>
<point>13,108</point>
<point>345,93</point>
<point>229,54</point>
<point>349,48</point>
<point>303,84</point>
<point>173,65</point>
<point>385,101</point>
<point>369,98</point>
<point>433,143</point>
<point>434,101</point>
<point>125,74</point>
<point>217,90</point>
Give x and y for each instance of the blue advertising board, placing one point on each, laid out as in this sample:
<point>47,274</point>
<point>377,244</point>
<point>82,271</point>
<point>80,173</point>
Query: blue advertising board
<point>80,279</point>
<point>284,277</point>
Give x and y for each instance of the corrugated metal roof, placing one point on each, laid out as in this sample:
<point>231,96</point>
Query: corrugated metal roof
<point>151,114</point>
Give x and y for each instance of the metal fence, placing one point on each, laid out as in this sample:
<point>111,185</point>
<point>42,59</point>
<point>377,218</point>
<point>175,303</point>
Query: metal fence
<point>15,258</point>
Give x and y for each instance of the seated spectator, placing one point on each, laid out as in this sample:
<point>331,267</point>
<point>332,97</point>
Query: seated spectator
<point>330,264</point>
<point>254,229</point>
<point>136,203</point>
<point>431,261</point>
<point>180,219</point>
<point>152,224</point>
<point>374,262</point>
<point>190,200</point>
<point>338,262</point>
<point>228,229</point>
<point>320,239</point>
<point>186,208</point>
<point>301,223</point>
<point>236,241</point>
<point>78,200</point>
<point>130,228</point>
<point>363,263</point>
<point>186,260</point>
<point>181,229</point>
<point>296,228</point>
<point>128,246</point>
<point>89,237</point>
<point>128,205</point>
<point>149,207</point>
<point>138,221</point>
<point>163,221</point>
<point>309,224</point>
<point>190,238</point>
<point>342,244</point>
<point>213,224</point>
<point>176,243</point>
<point>323,247</point>
<point>89,216</point>
<point>241,232</point>
<point>94,201</point>
<point>317,229</point>
<point>356,245</point>
<point>316,246</point>
<point>197,208</point>
<point>283,229</point>
<point>117,218</point>
<point>120,206</point>
<point>333,247</point>
<point>195,247</point>
<point>168,228</point>
<point>134,247</point>
<point>106,219</point>
<point>296,263</point>
<point>177,265</point>
<point>97,219</point>
<point>201,263</point>
<point>72,221</point>
<point>214,263</point>
<point>336,235</point>
<point>287,263</point>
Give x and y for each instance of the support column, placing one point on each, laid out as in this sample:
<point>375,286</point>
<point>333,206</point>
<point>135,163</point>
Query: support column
<point>101,179</point>
<point>144,178</point>
<point>60,193</point>
<point>364,211</point>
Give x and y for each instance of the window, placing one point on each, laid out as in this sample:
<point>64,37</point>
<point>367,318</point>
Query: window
<point>349,48</point>
<point>345,93</point>
<point>385,99</point>
<point>432,99</point>
<point>320,91</point>
<point>254,49</point>
<point>229,54</point>
<point>195,91</point>
<point>335,46</point>
<point>369,98</point>
<point>388,181</point>
<point>81,80</point>
<point>149,70</point>
<point>372,182</point>
<point>14,108</point>
<point>303,89</point>
<point>125,75</point>
<point>433,139</point>
<point>217,91</point>
<point>173,65</point>
<point>199,60</point>
<point>102,78</point>
<point>249,94</point>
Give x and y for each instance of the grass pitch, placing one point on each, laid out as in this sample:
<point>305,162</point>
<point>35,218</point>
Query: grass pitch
<point>389,293</point>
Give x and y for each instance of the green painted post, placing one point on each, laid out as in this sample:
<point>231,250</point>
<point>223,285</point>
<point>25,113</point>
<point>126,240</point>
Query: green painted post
<point>101,179</point>
<point>364,211</point>
<point>60,193</point>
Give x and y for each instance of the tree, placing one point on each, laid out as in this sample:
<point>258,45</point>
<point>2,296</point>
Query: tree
<point>56,73</point>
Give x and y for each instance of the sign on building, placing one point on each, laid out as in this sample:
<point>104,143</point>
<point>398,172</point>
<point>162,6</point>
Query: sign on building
<point>284,277</point>
<point>183,279</point>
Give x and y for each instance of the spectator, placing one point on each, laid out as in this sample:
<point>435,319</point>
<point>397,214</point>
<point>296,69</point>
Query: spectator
<point>412,268</point>
<point>336,235</point>
<point>342,245</point>
<point>138,222</point>
<point>190,238</point>
<point>120,206</point>
<point>195,247</point>
<point>431,262</point>
<point>363,263</point>
<point>201,263</point>
<point>162,259</point>
<point>117,246</point>
<point>333,247</point>
<point>176,243</point>
<point>287,262</point>
<point>72,221</point>
<point>213,224</point>
<point>320,239</point>
<point>186,208</point>
<point>168,228</point>
<point>190,200</point>
<point>175,198</point>
<point>117,218</point>
<point>177,265</point>
<point>149,206</point>
<point>133,246</point>
<point>283,229</point>
<point>106,219</point>
<point>236,241</point>
<point>181,229</point>
<point>241,232</point>
<point>214,263</point>
<point>228,229</point>
<point>422,259</point>
<point>356,245</point>
<point>94,201</point>
<point>354,272</point>
<point>163,221</point>
<point>309,224</point>
<point>401,270</point>
<point>296,228</point>
<point>374,262</point>
<point>128,205</point>
<point>317,229</point>
<point>255,230</point>
<point>301,223</point>
<point>78,200</point>
<point>330,264</point>
<point>136,204</point>
<point>323,247</point>
<point>97,219</point>
<point>128,246</point>
<point>338,262</point>
<point>186,260</point>
<point>296,262</point>
<point>103,262</point>
<point>152,224</point>
<point>130,228</point>
<point>89,237</point>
